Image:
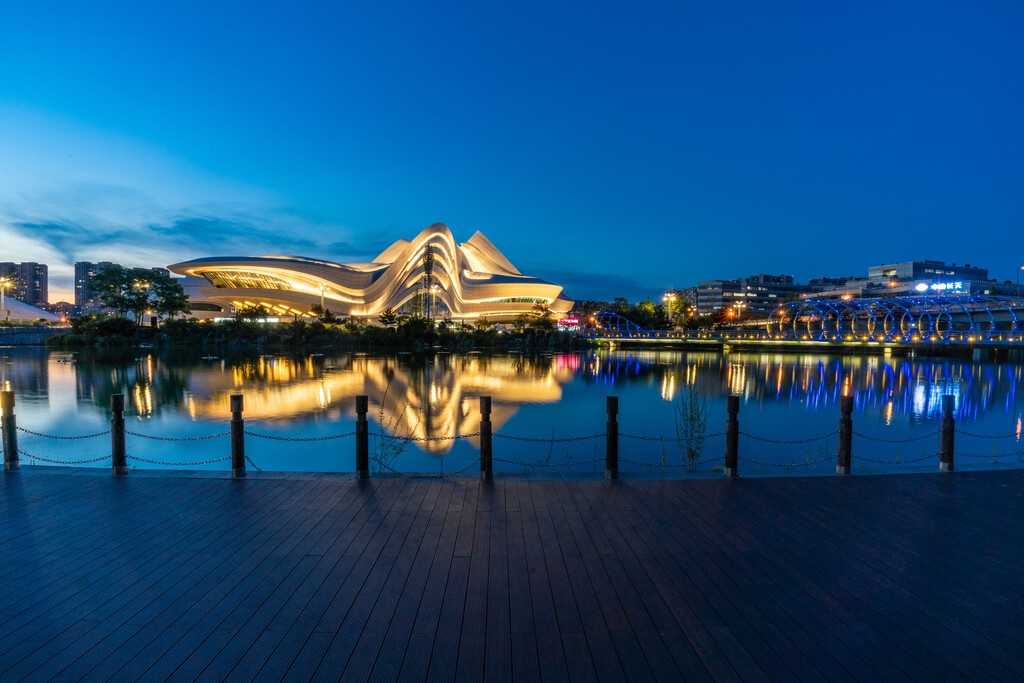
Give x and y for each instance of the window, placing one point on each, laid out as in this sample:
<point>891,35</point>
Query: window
<point>237,279</point>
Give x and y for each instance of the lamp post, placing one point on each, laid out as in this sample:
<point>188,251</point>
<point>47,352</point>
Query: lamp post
<point>322,286</point>
<point>670,299</point>
<point>5,282</point>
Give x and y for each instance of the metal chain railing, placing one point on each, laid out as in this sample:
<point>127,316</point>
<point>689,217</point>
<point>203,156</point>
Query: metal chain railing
<point>424,475</point>
<point>62,438</point>
<point>395,437</point>
<point>297,438</point>
<point>994,456</point>
<point>177,464</point>
<point>640,437</point>
<point>30,456</point>
<point>899,461</point>
<point>788,465</point>
<point>523,463</point>
<point>181,438</point>
<point>550,439</point>
<point>907,440</point>
<point>789,441</point>
<point>1013,435</point>
<point>689,465</point>
<point>254,465</point>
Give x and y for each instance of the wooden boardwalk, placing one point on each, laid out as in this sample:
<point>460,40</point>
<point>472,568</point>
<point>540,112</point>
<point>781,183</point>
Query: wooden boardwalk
<point>159,577</point>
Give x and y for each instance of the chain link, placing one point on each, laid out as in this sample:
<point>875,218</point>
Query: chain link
<point>901,461</point>
<point>688,465</point>
<point>296,438</point>
<point>550,440</point>
<point>418,475</point>
<point>393,437</point>
<point>22,452</point>
<point>177,464</point>
<point>640,437</point>
<point>254,465</point>
<point>806,463</point>
<point>913,438</point>
<point>171,438</point>
<point>783,441</point>
<point>988,436</point>
<point>994,456</point>
<point>523,463</point>
<point>62,438</point>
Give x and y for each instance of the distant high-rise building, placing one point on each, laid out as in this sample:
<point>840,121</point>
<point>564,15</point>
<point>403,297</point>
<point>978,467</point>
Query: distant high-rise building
<point>84,272</point>
<point>30,282</point>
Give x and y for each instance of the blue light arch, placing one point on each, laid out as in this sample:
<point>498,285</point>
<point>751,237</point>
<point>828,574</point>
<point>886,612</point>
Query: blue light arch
<point>900,319</point>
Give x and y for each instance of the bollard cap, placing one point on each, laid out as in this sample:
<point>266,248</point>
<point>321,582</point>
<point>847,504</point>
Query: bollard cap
<point>732,404</point>
<point>612,405</point>
<point>948,403</point>
<point>846,404</point>
<point>362,404</point>
<point>236,403</point>
<point>485,405</point>
<point>117,403</point>
<point>7,399</point>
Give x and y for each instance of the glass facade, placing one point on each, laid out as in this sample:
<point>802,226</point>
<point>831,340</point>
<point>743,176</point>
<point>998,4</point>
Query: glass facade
<point>239,279</point>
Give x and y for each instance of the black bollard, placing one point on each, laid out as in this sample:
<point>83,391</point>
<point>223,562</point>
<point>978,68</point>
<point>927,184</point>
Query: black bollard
<point>362,439</point>
<point>946,451</point>
<point>611,436</point>
<point>9,427</point>
<point>732,437</point>
<point>118,461</point>
<point>237,437</point>
<point>486,464</point>
<point>845,434</point>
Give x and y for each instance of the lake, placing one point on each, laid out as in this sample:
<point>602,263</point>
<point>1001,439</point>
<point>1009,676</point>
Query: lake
<point>179,394</point>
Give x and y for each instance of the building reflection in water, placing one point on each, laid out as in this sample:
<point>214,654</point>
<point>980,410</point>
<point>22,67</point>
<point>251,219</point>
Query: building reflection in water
<point>409,396</point>
<point>437,395</point>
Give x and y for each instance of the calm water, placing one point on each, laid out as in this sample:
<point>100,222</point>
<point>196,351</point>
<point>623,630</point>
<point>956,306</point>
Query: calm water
<point>783,397</point>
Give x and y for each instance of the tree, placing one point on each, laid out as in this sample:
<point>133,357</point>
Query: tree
<point>483,324</point>
<point>540,316</point>
<point>324,315</point>
<point>388,318</point>
<point>138,290</point>
<point>251,313</point>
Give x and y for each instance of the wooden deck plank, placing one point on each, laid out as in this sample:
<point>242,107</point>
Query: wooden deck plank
<point>902,577</point>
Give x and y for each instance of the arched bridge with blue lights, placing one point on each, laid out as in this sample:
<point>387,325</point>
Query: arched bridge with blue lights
<point>901,321</point>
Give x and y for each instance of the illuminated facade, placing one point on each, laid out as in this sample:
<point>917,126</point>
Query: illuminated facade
<point>466,281</point>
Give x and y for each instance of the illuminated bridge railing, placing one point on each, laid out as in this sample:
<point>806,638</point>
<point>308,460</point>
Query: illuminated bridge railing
<point>901,319</point>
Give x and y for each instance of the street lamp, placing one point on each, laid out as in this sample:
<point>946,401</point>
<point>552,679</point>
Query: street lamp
<point>670,298</point>
<point>5,282</point>
<point>322,286</point>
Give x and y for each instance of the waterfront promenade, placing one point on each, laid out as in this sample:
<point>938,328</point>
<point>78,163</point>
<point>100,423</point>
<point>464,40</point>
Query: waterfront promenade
<point>177,575</point>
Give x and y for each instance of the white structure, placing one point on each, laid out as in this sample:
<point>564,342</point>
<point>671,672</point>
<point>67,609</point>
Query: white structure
<point>466,281</point>
<point>19,312</point>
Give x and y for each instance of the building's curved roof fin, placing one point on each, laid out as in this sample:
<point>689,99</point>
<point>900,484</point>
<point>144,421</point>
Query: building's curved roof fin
<point>489,253</point>
<point>391,254</point>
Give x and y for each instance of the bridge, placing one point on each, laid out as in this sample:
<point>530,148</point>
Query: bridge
<point>924,323</point>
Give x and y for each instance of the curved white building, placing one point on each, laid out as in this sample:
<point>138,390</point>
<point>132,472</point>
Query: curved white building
<point>467,281</point>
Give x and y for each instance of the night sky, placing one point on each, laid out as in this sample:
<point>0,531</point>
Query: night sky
<point>617,149</point>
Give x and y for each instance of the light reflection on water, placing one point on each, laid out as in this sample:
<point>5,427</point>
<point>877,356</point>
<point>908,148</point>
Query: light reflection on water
<point>783,396</point>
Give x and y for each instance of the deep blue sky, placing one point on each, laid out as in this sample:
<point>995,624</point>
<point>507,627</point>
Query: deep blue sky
<point>618,150</point>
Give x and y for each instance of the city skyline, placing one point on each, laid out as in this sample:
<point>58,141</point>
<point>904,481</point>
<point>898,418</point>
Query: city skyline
<point>615,153</point>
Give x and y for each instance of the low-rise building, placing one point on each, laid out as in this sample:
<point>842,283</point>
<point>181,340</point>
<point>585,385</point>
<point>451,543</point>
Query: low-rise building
<point>757,295</point>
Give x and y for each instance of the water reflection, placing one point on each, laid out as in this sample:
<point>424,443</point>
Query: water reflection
<point>436,395</point>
